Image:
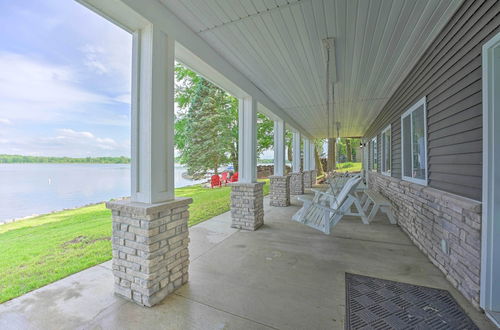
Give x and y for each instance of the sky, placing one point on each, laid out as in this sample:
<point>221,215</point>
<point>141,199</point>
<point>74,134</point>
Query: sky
<point>65,77</point>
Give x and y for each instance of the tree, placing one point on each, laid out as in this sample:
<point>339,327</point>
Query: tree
<point>318,145</point>
<point>206,127</point>
<point>348,150</point>
<point>288,142</point>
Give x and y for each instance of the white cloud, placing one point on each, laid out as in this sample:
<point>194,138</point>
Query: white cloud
<point>5,121</point>
<point>33,90</point>
<point>110,55</point>
<point>67,142</point>
<point>124,98</point>
<point>80,139</point>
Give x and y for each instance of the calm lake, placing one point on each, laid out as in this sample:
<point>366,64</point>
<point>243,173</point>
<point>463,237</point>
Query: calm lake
<point>27,189</point>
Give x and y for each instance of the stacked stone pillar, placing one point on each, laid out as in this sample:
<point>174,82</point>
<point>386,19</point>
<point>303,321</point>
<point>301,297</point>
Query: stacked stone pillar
<point>150,249</point>
<point>297,183</point>
<point>279,190</point>
<point>307,179</point>
<point>247,205</point>
<point>314,175</point>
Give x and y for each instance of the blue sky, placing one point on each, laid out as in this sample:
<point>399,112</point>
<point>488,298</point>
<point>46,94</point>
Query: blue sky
<point>64,81</point>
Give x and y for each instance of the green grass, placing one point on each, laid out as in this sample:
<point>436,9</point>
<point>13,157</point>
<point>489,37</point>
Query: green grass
<point>349,167</point>
<point>44,249</point>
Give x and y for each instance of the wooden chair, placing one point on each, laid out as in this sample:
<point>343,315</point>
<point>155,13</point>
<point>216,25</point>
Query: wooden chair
<point>215,181</point>
<point>324,217</point>
<point>335,185</point>
<point>379,203</point>
<point>234,178</point>
<point>224,179</point>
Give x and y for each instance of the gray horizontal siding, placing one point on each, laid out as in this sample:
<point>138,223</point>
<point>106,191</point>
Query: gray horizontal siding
<point>449,75</point>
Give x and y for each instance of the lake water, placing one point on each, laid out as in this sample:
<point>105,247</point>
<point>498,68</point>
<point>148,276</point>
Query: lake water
<point>27,189</point>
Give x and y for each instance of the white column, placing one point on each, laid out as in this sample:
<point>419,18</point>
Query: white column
<point>296,152</point>
<point>247,143</point>
<point>313,157</point>
<point>279,147</point>
<point>152,163</point>
<point>307,155</point>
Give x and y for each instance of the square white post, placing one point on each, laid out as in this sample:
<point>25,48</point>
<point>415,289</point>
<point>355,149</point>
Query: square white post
<point>148,228</point>
<point>313,156</point>
<point>314,172</point>
<point>247,143</point>
<point>279,147</point>
<point>280,182</point>
<point>307,155</point>
<point>296,152</point>
<point>152,163</point>
<point>307,164</point>
<point>297,176</point>
<point>247,195</point>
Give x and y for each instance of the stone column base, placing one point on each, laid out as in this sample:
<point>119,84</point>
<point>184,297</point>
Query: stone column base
<point>150,249</point>
<point>297,183</point>
<point>314,175</point>
<point>247,205</point>
<point>280,190</point>
<point>307,179</point>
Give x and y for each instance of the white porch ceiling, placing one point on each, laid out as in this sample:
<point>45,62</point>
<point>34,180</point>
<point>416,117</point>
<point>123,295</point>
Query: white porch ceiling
<point>277,45</point>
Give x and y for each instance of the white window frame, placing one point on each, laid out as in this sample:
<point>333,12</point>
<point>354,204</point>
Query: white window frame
<point>383,170</point>
<point>371,151</point>
<point>422,101</point>
<point>490,244</point>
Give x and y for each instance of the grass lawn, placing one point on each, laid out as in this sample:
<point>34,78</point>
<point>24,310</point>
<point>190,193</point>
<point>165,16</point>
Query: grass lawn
<point>348,167</point>
<point>44,249</point>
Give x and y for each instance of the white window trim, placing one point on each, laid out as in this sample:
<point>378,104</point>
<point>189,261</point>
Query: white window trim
<point>489,226</point>
<point>422,101</point>
<point>382,166</point>
<point>374,139</point>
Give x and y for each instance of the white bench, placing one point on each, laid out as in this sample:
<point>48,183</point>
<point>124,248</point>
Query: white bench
<point>379,203</point>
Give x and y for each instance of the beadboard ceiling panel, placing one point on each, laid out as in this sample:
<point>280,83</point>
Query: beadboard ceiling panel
<point>277,44</point>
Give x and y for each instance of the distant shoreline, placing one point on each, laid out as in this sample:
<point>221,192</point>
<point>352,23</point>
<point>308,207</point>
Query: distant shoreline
<point>21,159</point>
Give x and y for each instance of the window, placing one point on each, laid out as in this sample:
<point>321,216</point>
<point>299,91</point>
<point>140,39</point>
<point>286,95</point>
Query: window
<point>414,143</point>
<point>385,165</point>
<point>373,154</point>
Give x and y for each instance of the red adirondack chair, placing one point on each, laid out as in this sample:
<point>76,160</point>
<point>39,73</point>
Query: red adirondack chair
<point>234,178</point>
<point>224,179</point>
<point>215,181</point>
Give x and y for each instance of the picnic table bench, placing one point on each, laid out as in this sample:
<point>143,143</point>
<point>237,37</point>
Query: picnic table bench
<point>379,203</point>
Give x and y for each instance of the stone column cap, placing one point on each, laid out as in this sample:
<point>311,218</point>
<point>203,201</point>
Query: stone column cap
<point>245,184</point>
<point>139,208</point>
<point>278,176</point>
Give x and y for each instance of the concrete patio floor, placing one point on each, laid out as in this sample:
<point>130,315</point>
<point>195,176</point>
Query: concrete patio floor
<point>283,276</point>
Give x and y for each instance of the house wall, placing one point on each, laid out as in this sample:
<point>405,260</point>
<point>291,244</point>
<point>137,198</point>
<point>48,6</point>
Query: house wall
<point>448,210</point>
<point>429,216</point>
<point>449,75</point>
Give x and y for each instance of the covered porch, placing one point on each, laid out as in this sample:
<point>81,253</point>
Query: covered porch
<point>283,276</point>
<point>404,76</point>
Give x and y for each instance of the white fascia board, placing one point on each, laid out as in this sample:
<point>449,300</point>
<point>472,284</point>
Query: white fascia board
<point>191,49</point>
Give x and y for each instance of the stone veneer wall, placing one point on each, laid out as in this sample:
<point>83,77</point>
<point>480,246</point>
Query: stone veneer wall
<point>427,216</point>
<point>247,205</point>
<point>150,249</point>
<point>297,183</point>
<point>279,191</point>
<point>307,179</point>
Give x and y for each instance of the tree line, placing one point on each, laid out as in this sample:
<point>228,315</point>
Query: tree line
<point>45,159</point>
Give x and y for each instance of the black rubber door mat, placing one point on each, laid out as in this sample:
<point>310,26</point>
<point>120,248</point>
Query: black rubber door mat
<point>373,303</point>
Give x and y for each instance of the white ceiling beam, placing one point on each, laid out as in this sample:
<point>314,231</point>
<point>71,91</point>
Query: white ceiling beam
<point>195,51</point>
